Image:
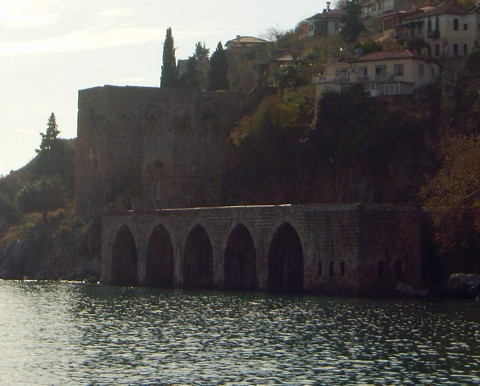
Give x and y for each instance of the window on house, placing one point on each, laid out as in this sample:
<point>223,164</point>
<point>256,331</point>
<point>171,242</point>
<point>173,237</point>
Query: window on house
<point>437,23</point>
<point>437,49</point>
<point>342,269</point>
<point>465,27</point>
<point>331,269</point>
<point>429,28</point>
<point>342,73</point>
<point>380,71</point>
<point>455,49</point>
<point>362,71</point>
<point>398,69</point>
<point>421,70</point>
<point>465,49</point>
<point>432,72</point>
<point>455,24</point>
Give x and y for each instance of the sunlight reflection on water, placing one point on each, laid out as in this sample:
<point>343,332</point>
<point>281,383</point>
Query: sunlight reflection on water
<point>59,333</point>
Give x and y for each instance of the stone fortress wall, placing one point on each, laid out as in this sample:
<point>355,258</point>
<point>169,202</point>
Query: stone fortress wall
<point>167,146</point>
<point>143,154</point>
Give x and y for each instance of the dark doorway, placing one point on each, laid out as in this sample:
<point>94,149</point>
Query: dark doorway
<point>285,261</point>
<point>159,259</point>
<point>240,260</point>
<point>124,258</point>
<point>198,268</point>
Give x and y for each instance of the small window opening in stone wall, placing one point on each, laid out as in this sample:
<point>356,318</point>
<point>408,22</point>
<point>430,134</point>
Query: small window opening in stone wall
<point>319,268</point>
<point>331,269</point>
<point>399,269</point>
<point>381,269</point>
<point>342,268</point>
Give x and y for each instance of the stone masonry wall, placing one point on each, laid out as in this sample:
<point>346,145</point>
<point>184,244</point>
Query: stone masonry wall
<point>166,146</point>
<point>342,244</point>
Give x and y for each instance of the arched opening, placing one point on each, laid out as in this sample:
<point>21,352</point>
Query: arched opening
<point>198,266</point>
<point>159,259</point>
<point>285,261</point>
<point>240,260</point>
<point>124,258</point>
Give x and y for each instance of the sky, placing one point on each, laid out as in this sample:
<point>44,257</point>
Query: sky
<point>50,49</point>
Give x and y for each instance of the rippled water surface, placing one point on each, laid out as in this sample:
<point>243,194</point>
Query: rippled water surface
<point>73,333</point>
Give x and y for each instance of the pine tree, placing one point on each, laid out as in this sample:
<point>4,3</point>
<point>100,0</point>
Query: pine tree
<point>201,51</point>
<point>169,67</point>
<point>50,136</point>
<point>217,76</point>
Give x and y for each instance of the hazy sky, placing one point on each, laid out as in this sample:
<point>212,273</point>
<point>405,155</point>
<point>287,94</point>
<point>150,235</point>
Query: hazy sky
<point>50,49</point>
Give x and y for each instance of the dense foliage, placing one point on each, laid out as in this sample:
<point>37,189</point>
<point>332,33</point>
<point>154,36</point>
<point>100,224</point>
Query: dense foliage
<point>218,74</point>
<point>54,161</point>
<point>189,79</point>
<point>452,198</point>
<point>353,25</point>
<point>42,195</point>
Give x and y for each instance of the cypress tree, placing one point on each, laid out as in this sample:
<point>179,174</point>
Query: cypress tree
<point>169,66</point>
<point>217,76</point>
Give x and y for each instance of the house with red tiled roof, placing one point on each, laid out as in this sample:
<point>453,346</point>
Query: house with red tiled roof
<point>449,30</point>
<point>245,42</point>
<point>380,73</point>
<point>244,55</point>
<point>373,9</point>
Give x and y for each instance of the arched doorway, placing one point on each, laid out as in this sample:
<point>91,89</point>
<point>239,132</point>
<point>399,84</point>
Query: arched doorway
<point>285,261</point>
<point>240,260</point>
<point>159,259</point>
<point>124,258</point>
<point>198,263</point>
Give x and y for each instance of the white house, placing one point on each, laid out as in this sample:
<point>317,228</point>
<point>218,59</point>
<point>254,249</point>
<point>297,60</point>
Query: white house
<point>372,9</point>
<point>449,30</point>
<point>327,23</point>
<point>380,73</point>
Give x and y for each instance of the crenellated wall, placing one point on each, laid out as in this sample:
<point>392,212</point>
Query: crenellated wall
<point>167,146</point>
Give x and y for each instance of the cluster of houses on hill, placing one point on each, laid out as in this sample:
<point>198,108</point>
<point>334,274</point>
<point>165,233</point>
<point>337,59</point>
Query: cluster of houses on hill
<point>442,33</point>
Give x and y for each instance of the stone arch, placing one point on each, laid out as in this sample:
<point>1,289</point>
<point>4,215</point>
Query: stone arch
<point>240,259</point>
<point>198,259</point>
<point>159,263</point>
<point>124,258</point>
<point>285,260</point>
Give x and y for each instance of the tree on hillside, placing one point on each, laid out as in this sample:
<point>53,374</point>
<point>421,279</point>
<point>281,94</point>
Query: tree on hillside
<point>201,52</point>
<point>217,76</point>
<point>49,138</point>
<point>472,61</point>
<point>42,195</point>
<point>169,66</point>
<point>189,79</point>
<point>353,25</point>
<point>452,198</point>
<point>7,210</point>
